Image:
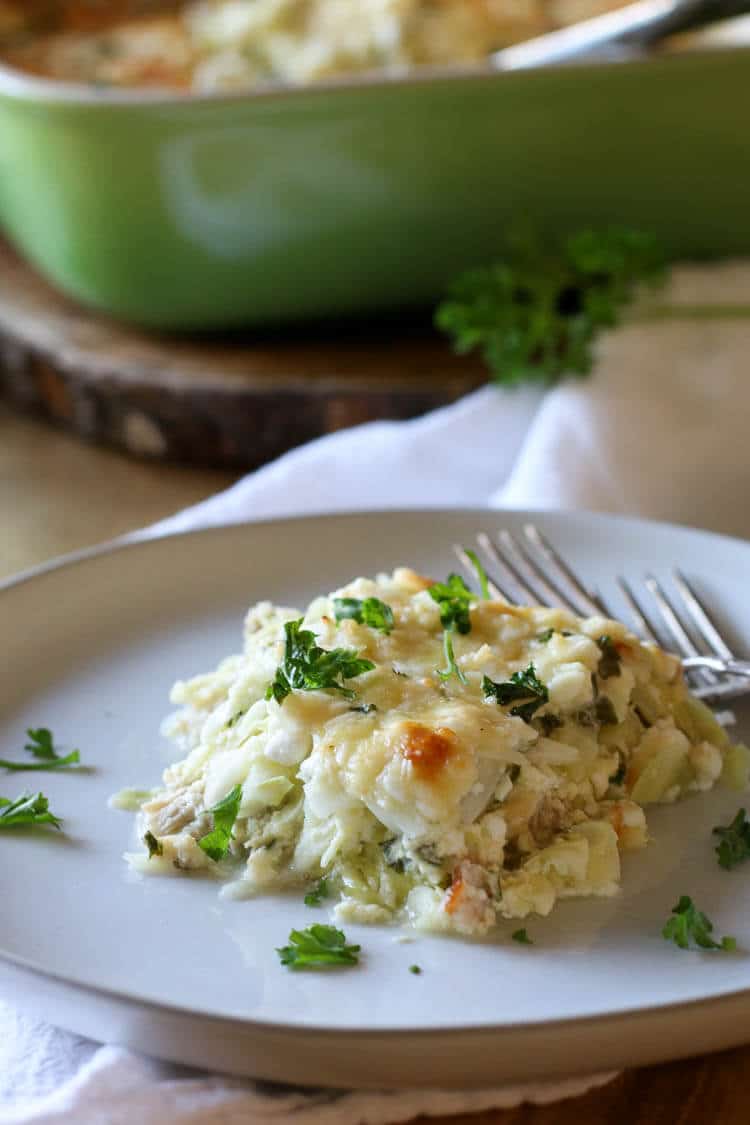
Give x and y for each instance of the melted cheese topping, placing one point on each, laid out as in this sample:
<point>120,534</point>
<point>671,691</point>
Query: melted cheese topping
<point>230,44</point>
<point>417,795</point>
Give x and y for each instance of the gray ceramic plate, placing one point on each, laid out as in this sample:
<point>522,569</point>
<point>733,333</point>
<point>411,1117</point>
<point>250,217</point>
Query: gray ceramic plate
<point>166,966</point>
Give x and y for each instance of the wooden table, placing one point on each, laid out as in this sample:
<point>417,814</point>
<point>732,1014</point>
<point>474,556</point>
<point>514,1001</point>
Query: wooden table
<point>57,494</point>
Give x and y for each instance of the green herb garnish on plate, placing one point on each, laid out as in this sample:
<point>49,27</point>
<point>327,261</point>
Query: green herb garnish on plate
<point>689,928</point>
<point>41,746</point>
<point>318,947</point>
<point>734,845</point>
<point>28,809</point>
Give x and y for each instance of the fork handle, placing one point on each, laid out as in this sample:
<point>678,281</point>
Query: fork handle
<point>640,24</point>
<point>717,664</point>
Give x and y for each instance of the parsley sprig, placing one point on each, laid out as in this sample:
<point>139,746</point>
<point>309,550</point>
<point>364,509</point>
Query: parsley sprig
<point>365,611</point>
<point>453,598</point>
<point>523,688</point>
<point>308,667</point>
<point>689,927</point>
<point>28,809</point>
<point>318,947</point>
<point>535,315</point>
<point>41,745</point>
<point>734,846</point>
<point>216,842</point>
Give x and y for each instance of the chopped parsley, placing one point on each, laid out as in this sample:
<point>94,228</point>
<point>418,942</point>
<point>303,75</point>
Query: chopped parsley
<point>734,846</point>
<point>535,315</point>
<point>41,745</point>
<point>364,709</point>
<point>484,583</point>
<point>689,927</point>
<point>523,688</point>
<point>216,842</point>
<point>320,891</point>
<point>28,809</point>
<point>155,847</point>
<point>367,611</point>
<point>415,969</point>
<point>307,667</point>
<point>609,662</point>
<point>454,598</point>
<point>545,637</point>
<point>521,937</point>
<point>318,947</point>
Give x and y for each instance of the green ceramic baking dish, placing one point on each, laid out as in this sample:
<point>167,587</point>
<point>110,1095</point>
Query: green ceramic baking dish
<point>186,211</point>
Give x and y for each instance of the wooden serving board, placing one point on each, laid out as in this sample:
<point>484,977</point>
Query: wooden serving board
<point>232,400</point>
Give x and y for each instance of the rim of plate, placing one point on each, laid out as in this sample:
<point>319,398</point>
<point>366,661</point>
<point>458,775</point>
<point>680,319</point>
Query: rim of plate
<point>641,1014</point>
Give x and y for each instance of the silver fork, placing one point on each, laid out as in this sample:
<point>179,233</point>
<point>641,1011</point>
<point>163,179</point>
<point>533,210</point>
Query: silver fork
<point>527,569</point>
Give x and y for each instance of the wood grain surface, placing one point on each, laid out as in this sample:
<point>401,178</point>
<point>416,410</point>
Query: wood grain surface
<point>229,401</point>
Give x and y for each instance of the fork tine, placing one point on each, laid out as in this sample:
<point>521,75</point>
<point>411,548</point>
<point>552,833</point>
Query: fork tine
<point>506,567</point>
<point>674,626</point>
<point>700,619</point>
<point>544,585</point>
<point>642,623</point>
<point>591,605</point>
<point>471,572</point>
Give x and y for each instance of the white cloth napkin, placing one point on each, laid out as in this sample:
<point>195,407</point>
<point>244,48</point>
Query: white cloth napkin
<point>661,430</point>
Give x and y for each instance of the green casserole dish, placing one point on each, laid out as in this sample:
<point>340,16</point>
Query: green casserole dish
<point>180,211</point>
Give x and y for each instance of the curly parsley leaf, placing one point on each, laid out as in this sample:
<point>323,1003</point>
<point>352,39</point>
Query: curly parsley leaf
<point>689,927</point>
<point>320,891</point>
<point>734,847</point>
<point>451,667</point>
<point>216,842</point>
<point>29,808</point>
<point>307,667</point>
<point>454,598</point>
<point>368,611</point>
<point>41,745</point>
<point>484,582</point>
<point>318,947</point>
<point>610,660</point>
<point>536,315</point>
<point>523,688</point>
<point>521,937</point>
